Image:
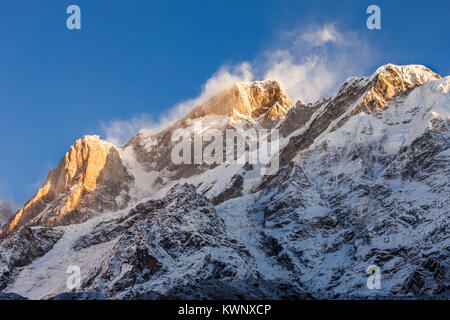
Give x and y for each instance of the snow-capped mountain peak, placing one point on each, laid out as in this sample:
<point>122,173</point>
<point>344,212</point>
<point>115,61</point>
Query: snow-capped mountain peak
<point>247,101</point>
<point>90,168</point>
<point>412,73</point>
<point>363,180</point>
<point>390,80</point>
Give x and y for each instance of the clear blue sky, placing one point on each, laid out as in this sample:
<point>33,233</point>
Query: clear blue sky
<point>134,57</point>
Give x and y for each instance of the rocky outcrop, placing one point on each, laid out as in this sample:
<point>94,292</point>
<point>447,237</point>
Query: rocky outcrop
<point>391,80</point>
<point>166,243</point>
<point>204,290</point>
<point>247,101</point>
<point>68,296</point>
<point>303,128</point>
<point>23,247</point>
<point>234,190</point>
<point>236,290</point>
<point>90,178</point>
<point>306,123</point>
<point>11,296</point>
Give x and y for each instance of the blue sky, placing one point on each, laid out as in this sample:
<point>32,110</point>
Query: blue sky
<point>137,59</point>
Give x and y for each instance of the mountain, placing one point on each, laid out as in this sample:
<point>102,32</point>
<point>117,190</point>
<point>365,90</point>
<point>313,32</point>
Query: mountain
<point>247,101</point>
<point>95,175</point>
<point>362,180</point>
<point>90,178</point>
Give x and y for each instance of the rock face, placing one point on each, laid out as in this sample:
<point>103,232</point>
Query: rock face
<point>365,94</point>
<point>178,240</point>
<point>11,296</point>
<point>90,178</point>
<point>260,104</point>
<point>391,80</point>
<point>247,101</point>
<point>363,180</point>
<point>22,247</point>
<point>236,290</point>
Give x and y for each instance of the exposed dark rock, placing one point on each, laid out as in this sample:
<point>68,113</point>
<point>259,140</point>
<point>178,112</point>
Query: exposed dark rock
<point>11,296</point>
<point>363,181</point>
<point>234,190</point>
<point>164,242</point>
<point>236,290</point>
<point>90,295</point>
<point>24,246</point>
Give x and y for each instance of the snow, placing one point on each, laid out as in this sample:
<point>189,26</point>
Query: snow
<point>408,73</point>
<point>46,276</point>
<point>444,154</point>
<point>247,230</point>
<point>387,132</point>
<point>143,180</point>
<point>400,123</point>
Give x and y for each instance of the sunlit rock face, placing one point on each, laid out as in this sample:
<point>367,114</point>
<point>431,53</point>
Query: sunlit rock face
<point>90,177</point>
<point>247,101</point>
<point>363,180</point>
<point>22,247</point>
<point>259,104</point>
<point>358,94</point>
<point>390,80</point>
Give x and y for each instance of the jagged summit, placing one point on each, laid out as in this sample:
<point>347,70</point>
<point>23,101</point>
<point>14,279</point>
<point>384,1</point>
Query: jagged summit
<point>390,80</point>
<point>90,172</point>
<point>247,101</point>
<point>92,165</point>
<point>363,180</point>
<point>373,94</point>
<point>413,73</point>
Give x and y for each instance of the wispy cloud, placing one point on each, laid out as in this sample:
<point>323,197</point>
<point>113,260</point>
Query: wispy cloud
<point>119,131</point>
<point>7,198</point>
<point>320,36</point>
<point>313,61</point>
<point>309,62</point>
<point>306,80</point>
<point>224,78</point>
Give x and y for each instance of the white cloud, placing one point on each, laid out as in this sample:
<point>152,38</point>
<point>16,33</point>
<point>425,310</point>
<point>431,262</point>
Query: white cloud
<point>309,63</point>
<point>320,36</point>
<point>314,61</point>
<point>119,131</point>
<point>7,199</point>
<point>224,78</point>
<point>11,204</point>
<point>306,81</point>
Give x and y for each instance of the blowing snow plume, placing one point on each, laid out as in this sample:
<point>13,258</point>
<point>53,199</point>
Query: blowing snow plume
<point>308,62</point>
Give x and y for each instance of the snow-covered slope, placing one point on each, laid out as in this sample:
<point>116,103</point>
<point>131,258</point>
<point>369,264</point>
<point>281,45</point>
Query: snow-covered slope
<point>385,176</point>
<point>364,180</point>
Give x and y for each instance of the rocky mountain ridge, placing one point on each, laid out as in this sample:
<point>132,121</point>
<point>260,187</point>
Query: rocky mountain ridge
<point>89,178</point>
<point>363,181</point>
